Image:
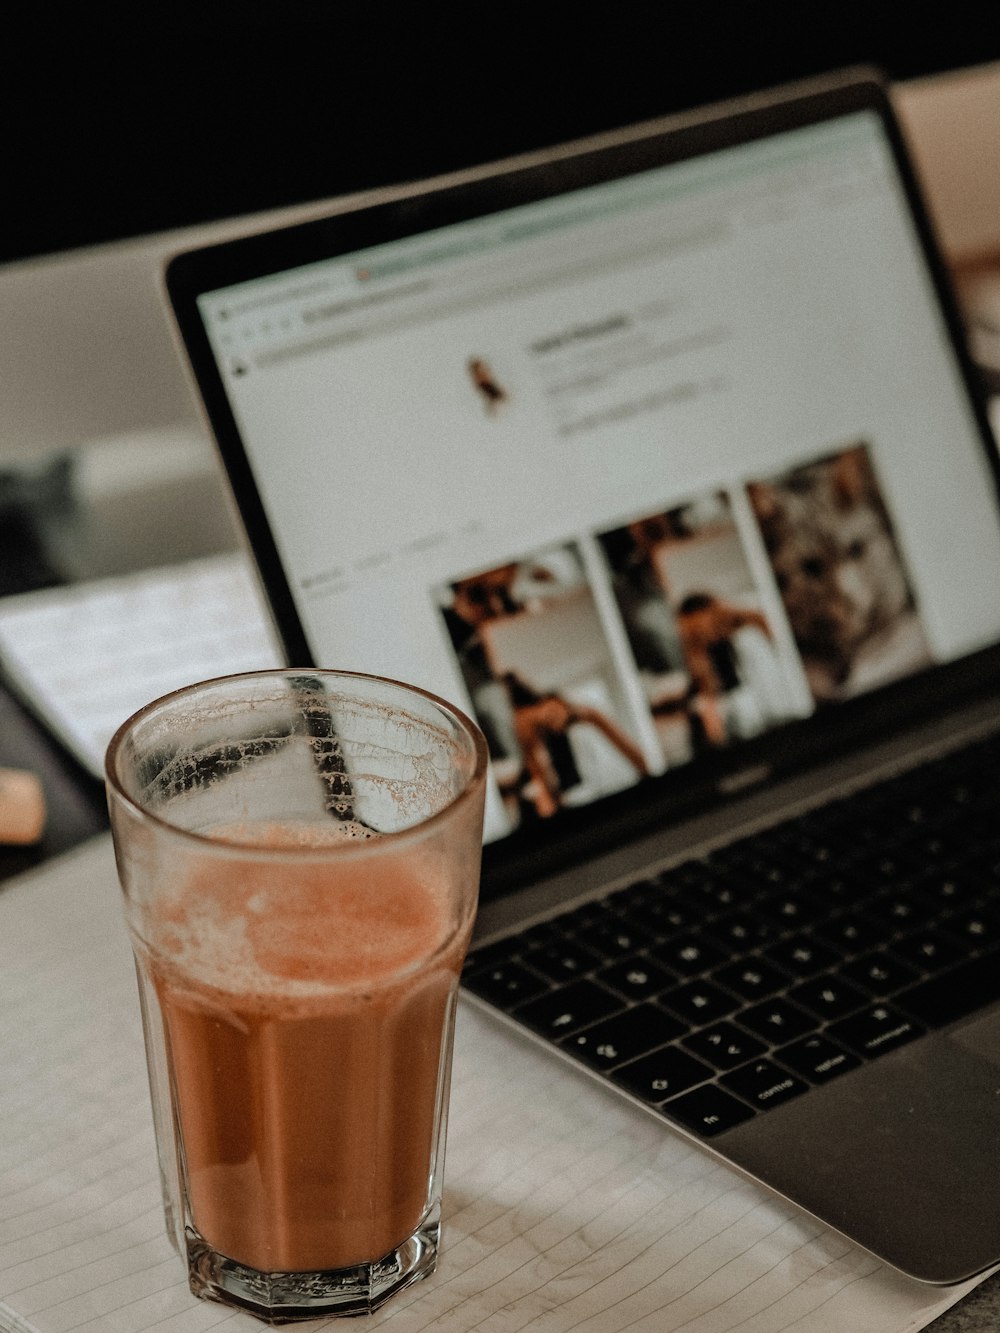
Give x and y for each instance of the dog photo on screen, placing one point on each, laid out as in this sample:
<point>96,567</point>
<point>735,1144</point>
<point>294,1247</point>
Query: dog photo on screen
<point>840,572</point>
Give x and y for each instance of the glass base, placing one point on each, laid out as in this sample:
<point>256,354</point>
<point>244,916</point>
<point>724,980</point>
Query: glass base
<point>281,1298</point>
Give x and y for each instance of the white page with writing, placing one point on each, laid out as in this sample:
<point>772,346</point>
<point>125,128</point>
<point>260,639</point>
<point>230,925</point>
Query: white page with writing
<point>565,1209</point>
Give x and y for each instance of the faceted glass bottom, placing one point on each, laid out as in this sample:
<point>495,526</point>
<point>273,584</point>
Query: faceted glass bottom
<point>281,1298</point>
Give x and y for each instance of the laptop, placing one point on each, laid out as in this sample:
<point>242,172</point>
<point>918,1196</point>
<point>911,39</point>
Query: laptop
<point>661,455</point>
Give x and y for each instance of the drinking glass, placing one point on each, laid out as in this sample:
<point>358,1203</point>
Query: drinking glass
<point>299,858</point>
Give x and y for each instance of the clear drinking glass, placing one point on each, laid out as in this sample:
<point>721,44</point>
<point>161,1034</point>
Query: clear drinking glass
<point>299,856</point>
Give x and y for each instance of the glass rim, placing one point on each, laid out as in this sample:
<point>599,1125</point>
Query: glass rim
<point>345,848</point>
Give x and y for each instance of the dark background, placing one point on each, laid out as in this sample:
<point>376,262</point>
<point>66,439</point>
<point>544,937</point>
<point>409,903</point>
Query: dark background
<point>141,119</point>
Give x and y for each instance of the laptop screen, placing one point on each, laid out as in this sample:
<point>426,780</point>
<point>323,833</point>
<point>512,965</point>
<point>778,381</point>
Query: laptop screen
<point>637,472</point>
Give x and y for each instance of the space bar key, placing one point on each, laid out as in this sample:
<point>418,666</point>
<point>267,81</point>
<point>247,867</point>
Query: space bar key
<point>956,993</point>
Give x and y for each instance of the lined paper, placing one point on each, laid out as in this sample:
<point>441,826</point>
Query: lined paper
<point>566,1211</point>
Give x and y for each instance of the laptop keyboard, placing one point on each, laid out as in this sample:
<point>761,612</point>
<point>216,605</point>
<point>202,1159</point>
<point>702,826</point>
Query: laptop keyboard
<point>86,655</point>
<point>724,986</point>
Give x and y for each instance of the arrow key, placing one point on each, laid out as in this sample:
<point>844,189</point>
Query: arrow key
<point>724,1046</point>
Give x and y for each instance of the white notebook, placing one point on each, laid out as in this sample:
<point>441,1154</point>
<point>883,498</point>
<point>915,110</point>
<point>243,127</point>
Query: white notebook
<point>564,1207</point>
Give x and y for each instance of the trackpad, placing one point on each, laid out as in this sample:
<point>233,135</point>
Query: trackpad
<point>981,1036</point>
<point>902,1155</point>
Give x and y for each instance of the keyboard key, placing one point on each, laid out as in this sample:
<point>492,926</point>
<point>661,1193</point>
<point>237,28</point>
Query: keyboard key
<point>742,931</point>
<point>563,960</point>
<point>692,875</point>
<point>699,1002</point>
<point>846,890</point>
<point>777,1021</point>
<point>802,955</point>
<point>753,978</point>
<point>721,895</point>
<point>888,871</point>
<point>949,890</point>
<point>623,1037</point>
<point>506,984</point>
<point>875,1030</point>
<point>880,973</point>
<point>980,927</point>
<point>634,897</point>
<point>708,1110</point>
<point>662,1074</point>
<point>637,977</point>
<point>610,937</point>
<point>793,911</point>
<point>670,914</point>
<point>724,1046</point>
<point>900,910</point>
<point>778,870</point>
<point>817,1059</point>
<point>584,917</point>
<point>930,951</point>
<point>489,954</point>
<point>543,932</point>
<point>852,932</point>
<point>688,954</point>
<point>829,996</point>
<point>763,1084</point>
<point>574,1006</point>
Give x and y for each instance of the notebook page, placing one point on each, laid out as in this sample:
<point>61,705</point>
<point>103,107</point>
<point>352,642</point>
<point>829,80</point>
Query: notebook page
<point>564,1210</point>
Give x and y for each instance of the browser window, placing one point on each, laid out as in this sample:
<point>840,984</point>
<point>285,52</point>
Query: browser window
<point>645,484</point>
